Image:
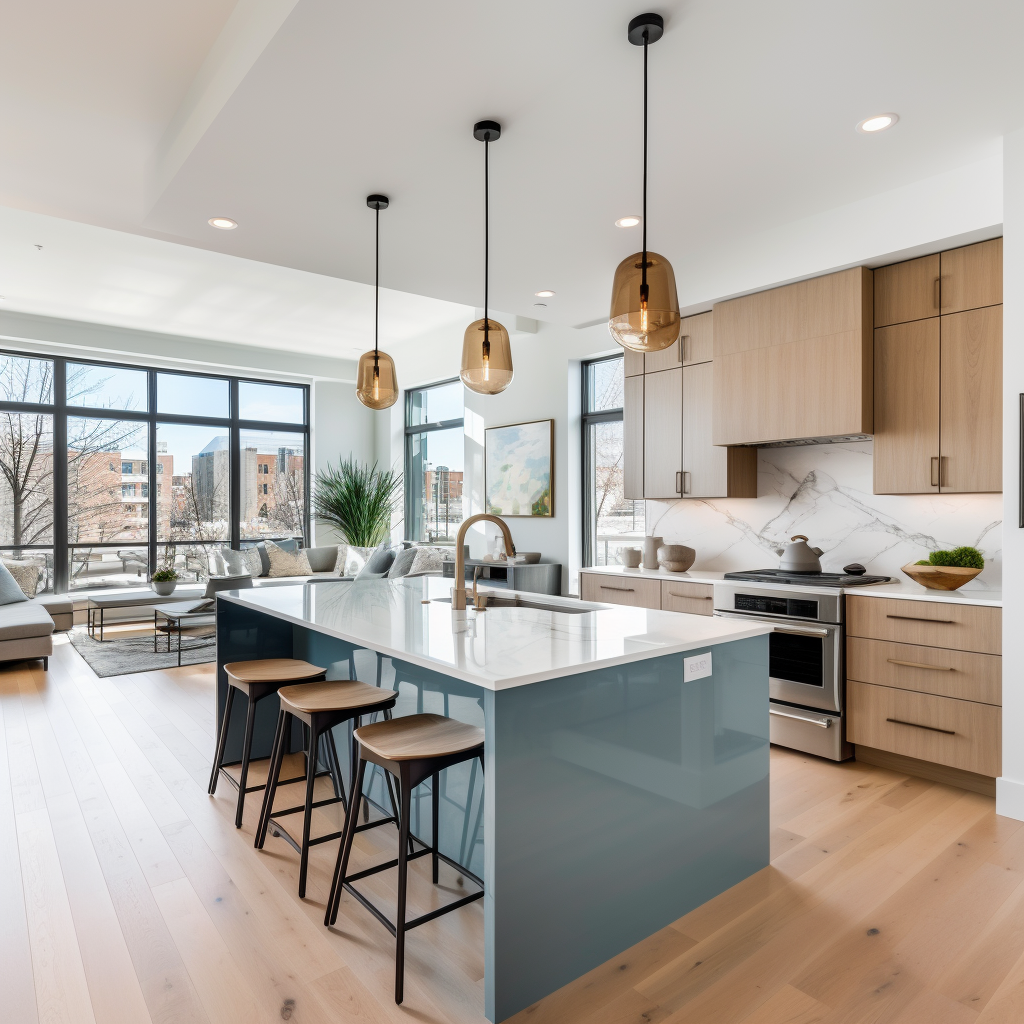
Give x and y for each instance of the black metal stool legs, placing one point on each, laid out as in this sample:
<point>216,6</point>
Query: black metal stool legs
<point>250,724</point>
<point>222,739</point>
<point>403,884</point>
<point>276,760</point>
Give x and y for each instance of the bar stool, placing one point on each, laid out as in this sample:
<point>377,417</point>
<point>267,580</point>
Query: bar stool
<point>320,707</point>
<point>256,679</point>
<point>412,749</point>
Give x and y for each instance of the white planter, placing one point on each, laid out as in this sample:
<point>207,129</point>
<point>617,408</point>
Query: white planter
<point>165,589</point>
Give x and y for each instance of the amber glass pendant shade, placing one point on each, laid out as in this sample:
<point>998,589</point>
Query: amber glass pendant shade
<point>644,326</point>
<point>486,358</point>
<point>376,381</point>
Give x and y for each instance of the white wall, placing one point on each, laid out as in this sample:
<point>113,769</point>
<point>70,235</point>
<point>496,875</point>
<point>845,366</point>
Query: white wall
<point>1010,788</point>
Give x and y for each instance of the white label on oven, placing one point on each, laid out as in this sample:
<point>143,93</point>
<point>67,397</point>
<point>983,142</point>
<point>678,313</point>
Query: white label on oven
<point>697,667</point>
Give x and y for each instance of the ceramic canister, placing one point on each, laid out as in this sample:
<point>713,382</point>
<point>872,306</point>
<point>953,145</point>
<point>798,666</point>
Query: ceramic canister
<point>651,545</point>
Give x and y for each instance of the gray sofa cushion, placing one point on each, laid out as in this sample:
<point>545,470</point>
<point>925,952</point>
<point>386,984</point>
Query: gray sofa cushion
<point>289,544</point>
<point>402,563</point>
<point>60,608</point>
<point>10,592</point>
<point>24,619</point>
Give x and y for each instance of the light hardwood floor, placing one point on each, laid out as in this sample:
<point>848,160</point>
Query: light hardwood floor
<point>127,896</point>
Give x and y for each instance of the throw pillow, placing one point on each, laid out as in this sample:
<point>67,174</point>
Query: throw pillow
<point>289,544</point>
<point>402,563</point>
<point>341,560</point>
<point>10,592</point>
<point>264,558</point>
<point>253,561</point>
<point>427,560</point>
<point>378,563</point>
<point>26,574</point>
<point>355,559</point>
<point>286,563</point>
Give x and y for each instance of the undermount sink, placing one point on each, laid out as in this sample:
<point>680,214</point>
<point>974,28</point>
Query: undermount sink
<point>518,602</point>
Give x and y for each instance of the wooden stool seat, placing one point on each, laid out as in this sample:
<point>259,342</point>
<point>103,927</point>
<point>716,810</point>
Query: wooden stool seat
<point>310,698</point>
<point>270,670</point>
<point>419,736</point>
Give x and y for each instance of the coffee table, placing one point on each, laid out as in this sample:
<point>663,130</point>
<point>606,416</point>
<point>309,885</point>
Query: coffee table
<point>102,603</point>
<point>187,618</point>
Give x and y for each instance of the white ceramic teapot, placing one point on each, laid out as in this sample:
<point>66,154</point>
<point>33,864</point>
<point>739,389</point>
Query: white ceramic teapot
<point>799,556</point>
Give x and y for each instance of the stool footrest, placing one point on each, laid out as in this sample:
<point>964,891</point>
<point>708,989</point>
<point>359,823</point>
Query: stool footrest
<point>416,921</point>
<point>295,810</point>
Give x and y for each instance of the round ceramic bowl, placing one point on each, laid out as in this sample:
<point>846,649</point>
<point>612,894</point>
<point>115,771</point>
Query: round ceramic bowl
<point>676,557</point>
<point>940,577</point>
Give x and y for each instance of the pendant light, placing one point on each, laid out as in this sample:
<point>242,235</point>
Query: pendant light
<point>376,382</point>
<point>645,311</point>
<point>486,352</point>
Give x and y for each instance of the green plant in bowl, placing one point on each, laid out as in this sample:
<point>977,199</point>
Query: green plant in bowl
<point>165,576</point>
<point>962,557</point>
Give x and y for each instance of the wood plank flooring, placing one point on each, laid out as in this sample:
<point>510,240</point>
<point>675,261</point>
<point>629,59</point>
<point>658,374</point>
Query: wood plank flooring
<point>128,897</point>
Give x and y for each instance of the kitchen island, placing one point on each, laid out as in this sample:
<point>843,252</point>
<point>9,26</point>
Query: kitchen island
<point>626,765</point>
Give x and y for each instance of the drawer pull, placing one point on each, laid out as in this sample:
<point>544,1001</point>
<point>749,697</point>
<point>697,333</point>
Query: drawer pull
<point>621,590</point>
<point>919,664</point>
<point>930,728</point>
<point>672,593</point>
<point>918,618</point>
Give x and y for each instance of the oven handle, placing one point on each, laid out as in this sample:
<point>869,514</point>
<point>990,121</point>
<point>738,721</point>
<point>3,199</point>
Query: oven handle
<point>824,723</point>
<point>801,632</point>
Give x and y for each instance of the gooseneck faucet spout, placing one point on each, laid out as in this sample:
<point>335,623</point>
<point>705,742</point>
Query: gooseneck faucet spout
<point>459,589</point>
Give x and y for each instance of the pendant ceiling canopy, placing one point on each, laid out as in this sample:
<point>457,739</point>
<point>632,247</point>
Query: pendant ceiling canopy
<point>376,381</point>
<point>486,352</point>
<point>644,313</point>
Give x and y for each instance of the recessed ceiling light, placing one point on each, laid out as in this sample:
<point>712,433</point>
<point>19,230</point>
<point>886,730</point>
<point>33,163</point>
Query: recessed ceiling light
<point>878,123</point>
<point>224,223</point>
<point>627,222</point>
<point>545,294</point>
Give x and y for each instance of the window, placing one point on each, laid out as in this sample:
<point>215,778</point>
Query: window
<point>87,520</point>
<point>434,461</point>
<point>610,520</point>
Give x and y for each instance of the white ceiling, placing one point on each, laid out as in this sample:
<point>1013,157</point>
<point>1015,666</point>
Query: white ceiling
<point>149,118</point>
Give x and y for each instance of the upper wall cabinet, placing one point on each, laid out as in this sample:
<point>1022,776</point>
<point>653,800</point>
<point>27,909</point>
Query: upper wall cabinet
<point>795,362</point>
<point>938,378</point>
<point>632,363</point>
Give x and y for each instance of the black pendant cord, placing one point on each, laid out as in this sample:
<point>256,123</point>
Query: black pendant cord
<point>376,287</point>
<point>643,262</point>
<point>487,241</point>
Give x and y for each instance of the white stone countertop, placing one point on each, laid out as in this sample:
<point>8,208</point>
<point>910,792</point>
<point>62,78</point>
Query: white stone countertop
<point>495,649</point>
<point>904,589</point>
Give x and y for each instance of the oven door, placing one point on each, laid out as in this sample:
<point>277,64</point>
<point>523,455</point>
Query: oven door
<point>804,661</point>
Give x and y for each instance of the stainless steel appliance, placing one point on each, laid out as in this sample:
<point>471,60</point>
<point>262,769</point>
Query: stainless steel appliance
<point>805,651</point>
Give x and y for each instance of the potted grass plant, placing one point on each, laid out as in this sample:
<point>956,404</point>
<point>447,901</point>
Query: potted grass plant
<point>357,500</point>
<point>164,581</point>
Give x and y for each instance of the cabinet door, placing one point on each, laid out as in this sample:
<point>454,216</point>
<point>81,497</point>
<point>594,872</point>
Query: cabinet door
<point>972,276</point>
<point>972,401</point>
<point>633,437</point>
<point>663,433</point>
<point>666,359</point>
<point>610,589</point>
<point>697,339</point>
<point>906,449</point>
<point>907,291</point>
<point>705,467</point>
<point>632,362</point>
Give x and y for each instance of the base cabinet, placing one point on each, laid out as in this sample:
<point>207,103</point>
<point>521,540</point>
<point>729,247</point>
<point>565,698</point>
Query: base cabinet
<point>647,592</point>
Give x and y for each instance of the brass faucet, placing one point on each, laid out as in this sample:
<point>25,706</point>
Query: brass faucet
<point>459,589</point>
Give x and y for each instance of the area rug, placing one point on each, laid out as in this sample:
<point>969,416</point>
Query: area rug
<point>135,654</point>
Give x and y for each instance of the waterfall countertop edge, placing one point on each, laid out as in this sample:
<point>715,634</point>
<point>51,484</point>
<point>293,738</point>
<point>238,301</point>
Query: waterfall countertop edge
<point>496,649</point>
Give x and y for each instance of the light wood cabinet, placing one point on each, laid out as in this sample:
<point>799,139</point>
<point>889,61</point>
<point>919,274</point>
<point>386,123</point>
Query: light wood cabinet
<point>907,291</point>
<point>795,362</point>
<point>971,403</point>
<point>958,627</point>
<point>694,598</point>
<point>663,434</point>
<point>972,276</point>
<point>607,589</point>
<point>710,471</point>
<point>666,359</point>
<point>697,338</point>
<point>906,448</point>
<point>632,363</point>
<point>633,437</point>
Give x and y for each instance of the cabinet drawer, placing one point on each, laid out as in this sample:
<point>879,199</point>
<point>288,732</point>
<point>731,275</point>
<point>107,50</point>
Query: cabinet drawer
<point>935,670</point>
<point>959,627</point>
<point>615,590</point>
<point>958,733</point>
<point>695,598</point>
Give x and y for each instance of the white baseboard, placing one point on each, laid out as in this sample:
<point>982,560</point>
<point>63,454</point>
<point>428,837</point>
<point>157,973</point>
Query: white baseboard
<point>1010,798</point>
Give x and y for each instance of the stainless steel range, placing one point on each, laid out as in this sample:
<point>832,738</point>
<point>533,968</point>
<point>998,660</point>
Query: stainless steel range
<point>805,650</point>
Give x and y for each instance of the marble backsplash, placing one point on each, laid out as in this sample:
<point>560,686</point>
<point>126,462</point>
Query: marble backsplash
<point>824,491</point>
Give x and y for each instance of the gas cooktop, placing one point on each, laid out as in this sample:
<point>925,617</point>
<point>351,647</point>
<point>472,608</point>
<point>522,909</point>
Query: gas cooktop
<point>812,579</point>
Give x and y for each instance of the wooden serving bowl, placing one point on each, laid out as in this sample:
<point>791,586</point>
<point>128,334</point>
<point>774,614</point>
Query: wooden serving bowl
<point>940,577</point>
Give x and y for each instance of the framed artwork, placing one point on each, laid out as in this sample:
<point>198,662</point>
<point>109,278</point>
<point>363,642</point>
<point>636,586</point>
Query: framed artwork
<point>519,469</point>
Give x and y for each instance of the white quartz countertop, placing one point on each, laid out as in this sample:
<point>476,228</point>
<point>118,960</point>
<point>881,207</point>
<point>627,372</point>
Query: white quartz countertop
<point>903,589</point>
<point>495,649</point>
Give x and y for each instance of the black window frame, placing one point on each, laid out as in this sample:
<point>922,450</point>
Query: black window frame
<point>60,411</point>
<point>588,418</point>
<point>421,428</point>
